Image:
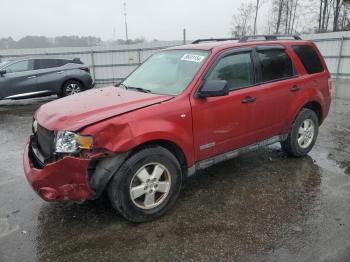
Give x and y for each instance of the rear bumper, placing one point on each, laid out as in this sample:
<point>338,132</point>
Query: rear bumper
<point>66,179</point>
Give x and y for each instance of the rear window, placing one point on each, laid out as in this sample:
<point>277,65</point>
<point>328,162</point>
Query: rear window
<point>309,58</point>
<point>275,64</point>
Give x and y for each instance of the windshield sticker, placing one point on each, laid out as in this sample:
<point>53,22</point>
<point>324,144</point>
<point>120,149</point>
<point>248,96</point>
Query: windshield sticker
<point>193,58</point>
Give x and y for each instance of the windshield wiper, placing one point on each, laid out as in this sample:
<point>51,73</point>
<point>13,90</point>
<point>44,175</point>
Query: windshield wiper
<point>140,89</point>
<point>122,85</point>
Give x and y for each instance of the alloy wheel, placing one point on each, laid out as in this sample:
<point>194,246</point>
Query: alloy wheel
<point>306,133</point>
<point>72,89</point>
<point>150,186</point>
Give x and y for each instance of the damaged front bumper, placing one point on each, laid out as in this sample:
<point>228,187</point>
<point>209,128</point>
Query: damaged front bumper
<point>65,179</point>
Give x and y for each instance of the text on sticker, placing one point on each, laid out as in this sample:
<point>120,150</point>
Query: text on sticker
<point>193,58</point>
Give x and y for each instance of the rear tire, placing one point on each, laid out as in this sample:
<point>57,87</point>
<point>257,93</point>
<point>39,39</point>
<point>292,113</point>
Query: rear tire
<point>147,185</point>
<point>71,87</point>
<point>303,134</point>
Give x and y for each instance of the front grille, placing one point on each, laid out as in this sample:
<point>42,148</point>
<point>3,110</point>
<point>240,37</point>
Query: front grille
<point>45,140</point>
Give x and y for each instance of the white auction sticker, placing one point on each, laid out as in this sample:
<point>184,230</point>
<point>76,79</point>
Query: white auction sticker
<point>193,58</point>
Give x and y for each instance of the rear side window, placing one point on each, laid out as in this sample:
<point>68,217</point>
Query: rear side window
<point>236,69</point>
<point>45,63</point>
<point>275,64</point>
<point>309,58</point>
<point>62,62</point>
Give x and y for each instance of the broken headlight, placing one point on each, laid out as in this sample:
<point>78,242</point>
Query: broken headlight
<point>70,142</point>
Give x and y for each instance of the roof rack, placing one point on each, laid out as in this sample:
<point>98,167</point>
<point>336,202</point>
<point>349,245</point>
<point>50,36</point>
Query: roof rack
<point>213,40</point>
<point>268,38</point>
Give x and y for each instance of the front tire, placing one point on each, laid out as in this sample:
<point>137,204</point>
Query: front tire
<point>147,185</point>
<point>303,135</point>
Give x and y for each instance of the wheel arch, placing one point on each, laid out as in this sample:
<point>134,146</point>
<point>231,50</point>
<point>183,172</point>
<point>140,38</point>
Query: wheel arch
<point>316,107</point>
<point>174,148</point>
<point>102,171</point>
<point>313,104</point>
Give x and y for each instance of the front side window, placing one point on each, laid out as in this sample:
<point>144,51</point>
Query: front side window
<point>167,72</point>
<point>21,66</point>
<point>236,69</point>
<point>275,64</point>
<point>309,58</point>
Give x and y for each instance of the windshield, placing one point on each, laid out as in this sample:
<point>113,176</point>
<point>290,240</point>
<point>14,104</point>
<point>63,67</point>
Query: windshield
<point>167,72</point>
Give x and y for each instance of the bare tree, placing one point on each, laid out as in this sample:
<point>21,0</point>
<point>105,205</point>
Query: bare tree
<point>258,5</point>
<point>280,4</point>
<point>276,15</point>
<point>242,20</point>
<point>285,15</point>
<point>337,7</point>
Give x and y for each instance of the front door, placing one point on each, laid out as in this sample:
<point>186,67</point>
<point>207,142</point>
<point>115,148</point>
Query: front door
<point>225,123</point>
<point>20,78</point>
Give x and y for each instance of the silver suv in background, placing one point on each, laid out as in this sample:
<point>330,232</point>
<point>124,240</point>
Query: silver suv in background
<point>36,77</point>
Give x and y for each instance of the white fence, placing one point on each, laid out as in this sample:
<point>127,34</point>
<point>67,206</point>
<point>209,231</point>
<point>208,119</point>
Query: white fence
<point>109,64</point>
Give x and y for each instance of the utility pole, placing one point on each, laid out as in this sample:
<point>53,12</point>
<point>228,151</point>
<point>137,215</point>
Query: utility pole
<point>184,36</point>
<point>126,24</point>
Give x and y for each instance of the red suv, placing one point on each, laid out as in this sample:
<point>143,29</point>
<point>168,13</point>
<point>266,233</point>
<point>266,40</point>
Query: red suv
<point>186,108</point>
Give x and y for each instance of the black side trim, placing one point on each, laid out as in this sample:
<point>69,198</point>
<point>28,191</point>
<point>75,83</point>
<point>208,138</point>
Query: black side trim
<point>233,154</point>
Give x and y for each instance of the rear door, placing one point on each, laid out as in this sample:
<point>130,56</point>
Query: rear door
<point>50,73</point>
<point>20,78</point>
<point>277,87</point>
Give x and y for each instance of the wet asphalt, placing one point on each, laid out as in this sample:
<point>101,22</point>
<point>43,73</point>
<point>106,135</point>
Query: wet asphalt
<point>263,206</point>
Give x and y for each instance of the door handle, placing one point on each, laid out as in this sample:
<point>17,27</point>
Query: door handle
<point>60,72</point>
<point>249,99</point>
<point>31,77</point>
<point>295,88</point>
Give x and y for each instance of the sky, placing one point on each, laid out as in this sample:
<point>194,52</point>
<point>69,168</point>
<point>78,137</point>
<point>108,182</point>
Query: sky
<point>151,19</point>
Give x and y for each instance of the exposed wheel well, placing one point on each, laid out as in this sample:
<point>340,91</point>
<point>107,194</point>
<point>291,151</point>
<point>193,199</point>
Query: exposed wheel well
<point>172,147</point>
<point>316,107</point>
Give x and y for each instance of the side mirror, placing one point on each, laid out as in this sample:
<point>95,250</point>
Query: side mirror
<point>2,72</point>
<point>213,88</point>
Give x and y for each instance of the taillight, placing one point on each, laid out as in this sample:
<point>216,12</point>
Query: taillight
<point>330,86</point>
<point>86,69</point>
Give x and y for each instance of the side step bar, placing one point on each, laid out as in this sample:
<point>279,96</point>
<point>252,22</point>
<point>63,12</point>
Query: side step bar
<point>235,153</point>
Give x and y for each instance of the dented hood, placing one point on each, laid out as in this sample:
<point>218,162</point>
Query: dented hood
<point>77,111</point>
